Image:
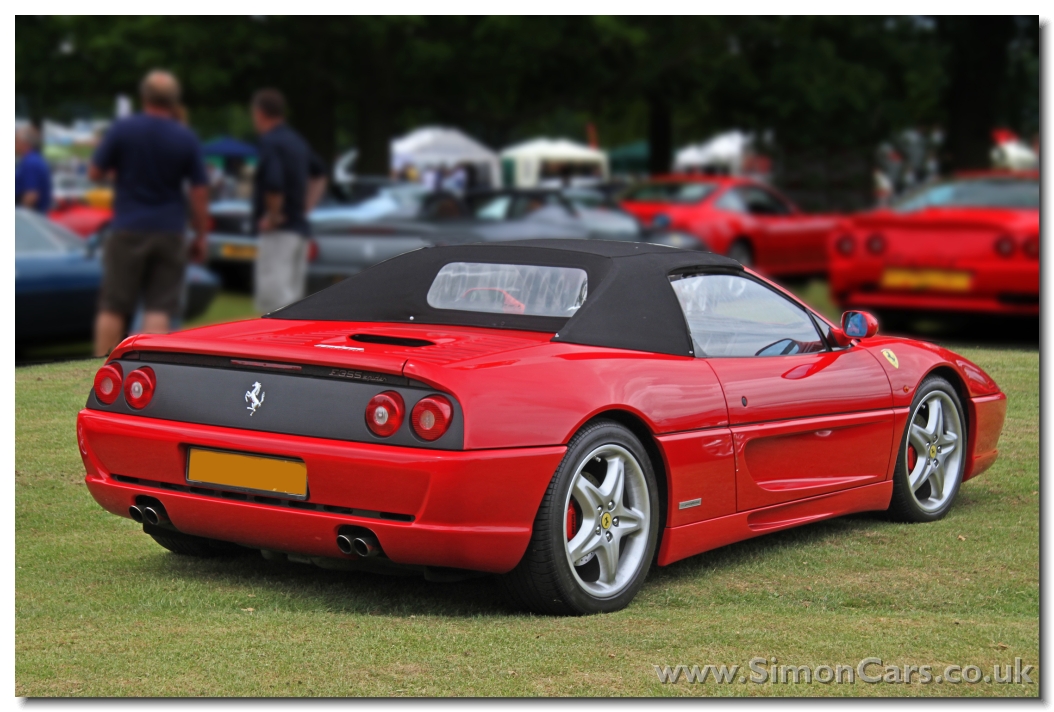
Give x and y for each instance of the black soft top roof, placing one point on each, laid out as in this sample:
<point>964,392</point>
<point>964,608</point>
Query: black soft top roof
<point>630,304</point>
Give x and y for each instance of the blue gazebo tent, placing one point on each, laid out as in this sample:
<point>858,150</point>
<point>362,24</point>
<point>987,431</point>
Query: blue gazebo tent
<point>227,147</point>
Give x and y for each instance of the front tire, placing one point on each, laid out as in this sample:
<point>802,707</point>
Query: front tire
<point>932,457</point>
<point>596,530</point>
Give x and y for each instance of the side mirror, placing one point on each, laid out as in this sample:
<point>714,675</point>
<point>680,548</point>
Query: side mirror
<point>859,324</point>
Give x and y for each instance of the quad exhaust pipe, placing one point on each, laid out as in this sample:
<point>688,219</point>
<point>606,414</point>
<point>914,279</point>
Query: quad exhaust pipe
<point>153,514</point>
<point>363,545</point>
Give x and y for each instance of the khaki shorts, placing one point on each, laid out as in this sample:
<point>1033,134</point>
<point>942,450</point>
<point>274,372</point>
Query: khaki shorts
<point>143,265</point>
<point>281,270</point>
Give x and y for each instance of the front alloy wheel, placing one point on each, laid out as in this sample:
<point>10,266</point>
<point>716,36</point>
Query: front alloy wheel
<point>595,534</point>
<point>932,458</point>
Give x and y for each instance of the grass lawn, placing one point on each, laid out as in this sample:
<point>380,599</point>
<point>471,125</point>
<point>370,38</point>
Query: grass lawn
<point>102,610</point>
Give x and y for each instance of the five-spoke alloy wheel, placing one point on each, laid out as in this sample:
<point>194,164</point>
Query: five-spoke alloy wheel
<point>607,520</point>
<point>595,534</point>
<point>932,459</point>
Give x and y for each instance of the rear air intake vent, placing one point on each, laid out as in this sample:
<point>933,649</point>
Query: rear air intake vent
<point>390,340</point>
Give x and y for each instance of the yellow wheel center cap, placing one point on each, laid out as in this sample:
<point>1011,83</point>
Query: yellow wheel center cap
<point>933,451</point>
<point>605,521</point>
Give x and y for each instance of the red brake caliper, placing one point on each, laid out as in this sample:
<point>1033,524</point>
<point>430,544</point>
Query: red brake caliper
<point>574,519</point>
<point>913,457</point>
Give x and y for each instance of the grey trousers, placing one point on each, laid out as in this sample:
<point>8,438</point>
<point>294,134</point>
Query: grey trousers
<point>281,270</point>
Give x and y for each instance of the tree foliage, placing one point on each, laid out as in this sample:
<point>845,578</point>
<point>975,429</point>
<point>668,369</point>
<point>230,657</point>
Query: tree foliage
<point>814,82</point>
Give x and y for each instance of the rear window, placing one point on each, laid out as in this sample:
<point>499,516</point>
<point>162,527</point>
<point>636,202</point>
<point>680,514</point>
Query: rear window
<point>669,192</point>
<point>974,193</point>
<point>531,290</point>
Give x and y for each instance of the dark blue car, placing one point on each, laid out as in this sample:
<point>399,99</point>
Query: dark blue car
<point>57,277</point>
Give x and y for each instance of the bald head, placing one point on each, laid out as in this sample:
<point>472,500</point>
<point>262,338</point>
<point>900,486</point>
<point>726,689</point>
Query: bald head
<point>26,139</point>
<point>160,90</point>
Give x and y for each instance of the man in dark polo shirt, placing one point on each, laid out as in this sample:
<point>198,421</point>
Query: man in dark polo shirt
<point>288,182</point>
<point>153,159</point>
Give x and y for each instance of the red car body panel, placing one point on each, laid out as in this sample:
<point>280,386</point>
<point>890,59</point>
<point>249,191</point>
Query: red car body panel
<point>454,497</point>
<point>681,542</point>
<point>958,242</point>
<point>782,245</point>
<point>762,443</point>
<point>83,220</point>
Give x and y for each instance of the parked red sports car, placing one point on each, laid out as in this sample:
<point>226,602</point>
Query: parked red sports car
<point>553,411</point>
<point>83,220</point>
<point>746,220</point>
<point>970,244</point>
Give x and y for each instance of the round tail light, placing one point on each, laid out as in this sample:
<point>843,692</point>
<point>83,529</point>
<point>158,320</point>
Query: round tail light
<point>1031,247</point>
<point>876,244</point>
<point>431,417</point>
<point>846,245</point>
<point>139,387</point>
<point>1004,246</point>
<point>384,413</point>
<point>108,383</point>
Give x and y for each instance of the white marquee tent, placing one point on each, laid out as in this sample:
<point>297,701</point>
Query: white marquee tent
<point>438,147</point>
<point>726,149</point>
<point>526,160</point>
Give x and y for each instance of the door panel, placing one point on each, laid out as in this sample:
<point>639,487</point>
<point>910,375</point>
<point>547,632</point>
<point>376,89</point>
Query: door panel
<point>806,424</point>
<point>802,385</point>
<point>797,243</point>
<point>788,460</point>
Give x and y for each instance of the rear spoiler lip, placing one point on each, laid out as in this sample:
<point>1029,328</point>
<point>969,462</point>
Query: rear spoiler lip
<point>280,354</point>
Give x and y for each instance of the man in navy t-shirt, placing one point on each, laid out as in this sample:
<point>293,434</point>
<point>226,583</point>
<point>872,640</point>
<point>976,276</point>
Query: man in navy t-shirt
<point>288,182</point>
<point>32,176</point>
<point>153,160</point>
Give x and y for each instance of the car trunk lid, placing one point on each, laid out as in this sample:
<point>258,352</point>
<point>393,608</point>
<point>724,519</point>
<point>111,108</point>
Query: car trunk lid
<point>376,347</point>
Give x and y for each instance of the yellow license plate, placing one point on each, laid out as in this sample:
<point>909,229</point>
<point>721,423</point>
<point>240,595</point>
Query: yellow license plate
<point>926,279</point>
<point>250,472</point>
<point>239,252</point>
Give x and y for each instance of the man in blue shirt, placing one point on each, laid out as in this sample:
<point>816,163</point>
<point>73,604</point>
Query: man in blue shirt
<point>32,176</point>
<point>156,164</point>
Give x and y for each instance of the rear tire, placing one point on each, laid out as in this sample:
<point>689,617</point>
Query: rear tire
<point>596,531</point>
<point>932,457</point>
<point>742,253</point>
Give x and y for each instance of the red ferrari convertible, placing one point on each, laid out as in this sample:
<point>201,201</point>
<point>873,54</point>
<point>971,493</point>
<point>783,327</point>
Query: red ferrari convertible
<point>562,413</point>
<point>970,244</point>
<point>743,219</point>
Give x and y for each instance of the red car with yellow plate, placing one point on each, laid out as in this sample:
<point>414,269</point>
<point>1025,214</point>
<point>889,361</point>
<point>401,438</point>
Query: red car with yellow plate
<point>965,245</point>
<point>562,413</point>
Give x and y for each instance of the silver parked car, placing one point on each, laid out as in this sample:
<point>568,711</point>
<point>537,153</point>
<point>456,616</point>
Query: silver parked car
<point>349,238</point>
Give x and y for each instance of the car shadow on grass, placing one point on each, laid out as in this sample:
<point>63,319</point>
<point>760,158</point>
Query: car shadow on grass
<point>300,587</point>
<point>808,537</point>
<point>969,330</point>
<point>296,587</point>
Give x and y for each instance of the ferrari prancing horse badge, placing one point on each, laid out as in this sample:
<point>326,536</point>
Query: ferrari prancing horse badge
<point>891,357</point>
